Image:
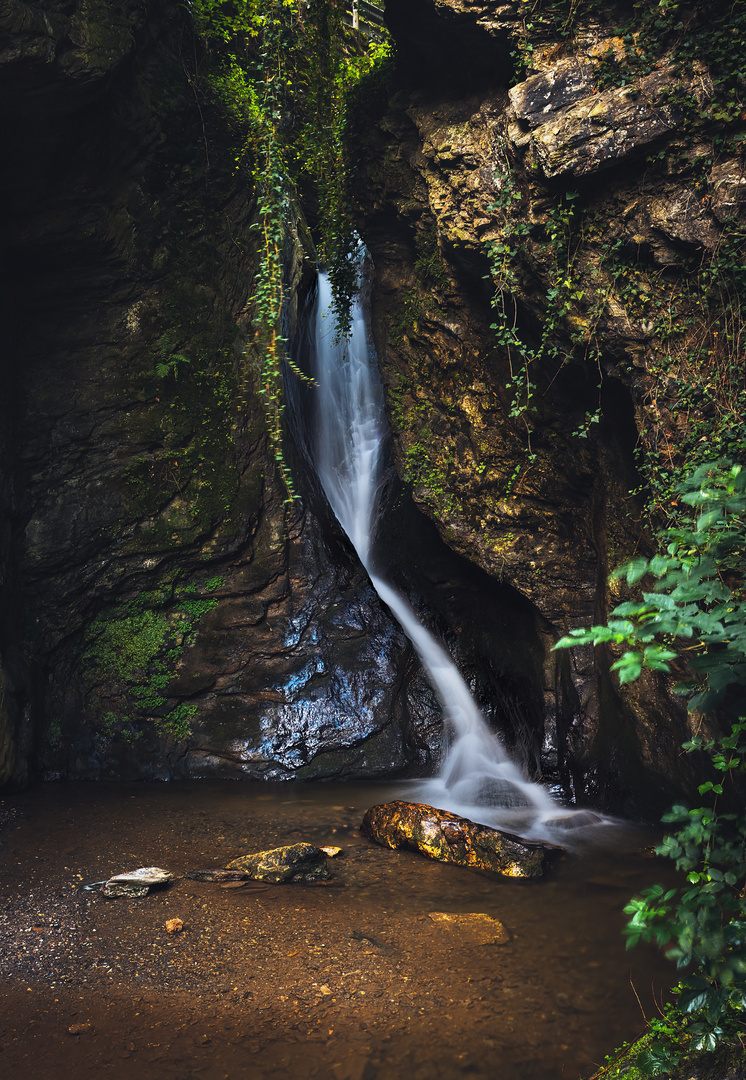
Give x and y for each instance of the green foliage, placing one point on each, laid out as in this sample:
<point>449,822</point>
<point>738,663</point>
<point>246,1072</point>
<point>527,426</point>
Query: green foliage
<point>692,598</point>
<point>428,265</point>
<point>714,34</point>
<point>283,71</point>
<point>128,643</point>
<point>700,358</point>
<point>538,18</point>
<point>404,318</point>
<point>696,611</point>
<point>131,651</point>
<point>177,723</point>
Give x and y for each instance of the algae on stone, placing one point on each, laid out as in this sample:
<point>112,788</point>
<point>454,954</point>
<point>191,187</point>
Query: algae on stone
<point>447,837</point>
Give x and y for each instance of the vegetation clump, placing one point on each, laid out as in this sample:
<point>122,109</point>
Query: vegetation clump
<point>692,617</point>
<point>283,70</point>
<point>131,654</point>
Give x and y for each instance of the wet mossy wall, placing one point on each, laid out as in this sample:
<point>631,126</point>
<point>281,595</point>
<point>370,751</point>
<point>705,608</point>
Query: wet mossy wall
<point>162,612</point>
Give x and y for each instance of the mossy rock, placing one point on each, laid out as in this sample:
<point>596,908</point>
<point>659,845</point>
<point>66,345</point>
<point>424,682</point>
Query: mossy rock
<point>297,862</point>
<point>728,1062</point>
<point>449,838</point>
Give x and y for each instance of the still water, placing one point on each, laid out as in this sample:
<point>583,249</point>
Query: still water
<point>352,980</point>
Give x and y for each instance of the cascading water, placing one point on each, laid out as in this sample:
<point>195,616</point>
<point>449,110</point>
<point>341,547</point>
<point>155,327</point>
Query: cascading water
<point>477,779</point>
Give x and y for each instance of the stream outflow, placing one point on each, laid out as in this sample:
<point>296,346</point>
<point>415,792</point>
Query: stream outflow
<point>477,779</point>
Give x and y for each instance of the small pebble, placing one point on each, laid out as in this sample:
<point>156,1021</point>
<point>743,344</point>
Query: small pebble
<point>80,1029</point>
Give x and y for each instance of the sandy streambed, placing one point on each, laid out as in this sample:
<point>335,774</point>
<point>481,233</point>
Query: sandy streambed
<point>353,980</point>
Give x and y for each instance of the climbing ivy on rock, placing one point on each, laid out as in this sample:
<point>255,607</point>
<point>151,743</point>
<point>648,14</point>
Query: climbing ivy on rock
<point>587,270</point>
<point>557,336</point>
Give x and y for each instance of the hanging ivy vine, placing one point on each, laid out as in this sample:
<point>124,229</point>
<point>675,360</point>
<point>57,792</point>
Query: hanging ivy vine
<point>282,70</point>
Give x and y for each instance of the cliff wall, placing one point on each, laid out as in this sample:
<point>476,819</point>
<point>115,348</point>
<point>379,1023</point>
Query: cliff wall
<point>164,612</point>
<point>553,195</point>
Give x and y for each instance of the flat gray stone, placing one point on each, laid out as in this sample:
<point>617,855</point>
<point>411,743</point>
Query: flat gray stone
<point>136,882</point>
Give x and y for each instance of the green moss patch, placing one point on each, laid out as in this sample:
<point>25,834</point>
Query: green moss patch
<point>131,654</point>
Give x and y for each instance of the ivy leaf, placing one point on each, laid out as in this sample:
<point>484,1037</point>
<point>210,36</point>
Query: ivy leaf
<point>628,666</point>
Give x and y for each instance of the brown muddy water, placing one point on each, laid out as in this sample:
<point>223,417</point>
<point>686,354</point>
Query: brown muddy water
<point>349,981</point>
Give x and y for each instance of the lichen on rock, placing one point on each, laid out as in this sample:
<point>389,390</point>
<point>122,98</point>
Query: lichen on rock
<point>447,837</point>
<point>296,862</point>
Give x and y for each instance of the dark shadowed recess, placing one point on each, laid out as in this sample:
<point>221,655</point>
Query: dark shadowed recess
<point>445,48</point>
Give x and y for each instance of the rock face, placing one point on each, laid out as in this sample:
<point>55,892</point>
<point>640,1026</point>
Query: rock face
<point>532,204</point>
<point>449,838</point>
<point>579,131</point>
<point>162,612</point>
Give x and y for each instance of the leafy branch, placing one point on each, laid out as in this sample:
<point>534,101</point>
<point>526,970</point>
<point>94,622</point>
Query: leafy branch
<point>696,612</point>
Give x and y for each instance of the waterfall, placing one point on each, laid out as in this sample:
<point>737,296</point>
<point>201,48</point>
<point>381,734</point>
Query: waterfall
<point>477,778</point>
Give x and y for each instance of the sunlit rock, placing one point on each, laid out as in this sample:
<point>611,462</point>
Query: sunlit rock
<point>602,128</point>
<point>450,838</point>
<point>728,185</point>
<point>297,862</point>
<point>546,93</point>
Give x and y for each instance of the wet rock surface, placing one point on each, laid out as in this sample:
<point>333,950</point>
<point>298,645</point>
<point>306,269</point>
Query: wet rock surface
<point>137,883</point>
<point>218,874</point>
<point>441,835</point>
<point>162,614</point>
<point>295,862</point>
<point>187,623</point>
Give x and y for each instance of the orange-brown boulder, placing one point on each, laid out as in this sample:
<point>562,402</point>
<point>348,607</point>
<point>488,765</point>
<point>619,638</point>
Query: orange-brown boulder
<point>450,838</point>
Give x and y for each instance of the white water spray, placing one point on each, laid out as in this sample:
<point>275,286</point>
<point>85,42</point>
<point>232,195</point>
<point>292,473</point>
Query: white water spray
<point>477,779</point>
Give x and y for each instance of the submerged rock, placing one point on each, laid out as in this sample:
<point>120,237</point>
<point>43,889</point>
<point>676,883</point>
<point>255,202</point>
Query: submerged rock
<point>580,819</point>
<point>476,927</point>
<point>297,862</point>
<point>218,874</point>
<point>449,838</point>
<point>137,882</point>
